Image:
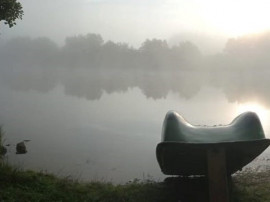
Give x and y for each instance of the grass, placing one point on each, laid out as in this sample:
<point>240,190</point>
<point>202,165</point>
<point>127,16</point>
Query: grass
<point>22,186</point>
<point>252,186</point>
<point>3,150</point>
<point>17,185</point>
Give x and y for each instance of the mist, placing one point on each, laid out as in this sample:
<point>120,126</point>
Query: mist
<point>94,107</point>
<point>87,66</point>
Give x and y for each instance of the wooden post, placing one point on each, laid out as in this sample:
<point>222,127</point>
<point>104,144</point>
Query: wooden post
<point>217,175</point>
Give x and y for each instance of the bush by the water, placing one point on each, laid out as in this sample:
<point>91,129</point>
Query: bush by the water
<point>3,149</point>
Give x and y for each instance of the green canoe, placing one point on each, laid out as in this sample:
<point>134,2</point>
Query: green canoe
<point>183,149</point>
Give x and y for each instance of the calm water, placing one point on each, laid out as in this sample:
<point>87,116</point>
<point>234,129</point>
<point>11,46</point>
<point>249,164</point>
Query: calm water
<point>113,138</point>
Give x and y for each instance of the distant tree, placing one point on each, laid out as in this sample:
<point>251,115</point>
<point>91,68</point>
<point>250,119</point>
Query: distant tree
<point>10,10</point>
<point>89,42</point>
<point>154,45</point>
<point>154,53</point>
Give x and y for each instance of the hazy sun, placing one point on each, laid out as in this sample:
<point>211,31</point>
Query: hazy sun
<point>260,110</point>
<point>240,17</point>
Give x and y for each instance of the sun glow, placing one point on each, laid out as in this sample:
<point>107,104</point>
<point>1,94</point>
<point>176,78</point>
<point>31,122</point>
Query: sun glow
<point>260,110</point>
<point>235,18</point>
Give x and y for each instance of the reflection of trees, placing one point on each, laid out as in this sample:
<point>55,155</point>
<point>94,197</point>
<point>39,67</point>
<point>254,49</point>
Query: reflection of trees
<point>242,71</point>
<point>87,66</point>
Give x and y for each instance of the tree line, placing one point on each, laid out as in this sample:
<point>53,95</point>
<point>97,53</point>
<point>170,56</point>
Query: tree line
<point>87,66</point>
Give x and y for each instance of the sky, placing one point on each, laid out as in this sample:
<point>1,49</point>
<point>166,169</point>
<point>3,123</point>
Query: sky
<point>133,21</point>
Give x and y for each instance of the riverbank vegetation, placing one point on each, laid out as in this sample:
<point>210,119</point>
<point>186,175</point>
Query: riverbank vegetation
<point>20,185</point>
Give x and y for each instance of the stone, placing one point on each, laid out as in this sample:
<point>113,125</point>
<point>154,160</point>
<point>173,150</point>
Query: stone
<point>21,148</point>
<point>3,150</point>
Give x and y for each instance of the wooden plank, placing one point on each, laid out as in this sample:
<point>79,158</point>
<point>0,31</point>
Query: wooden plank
<point>217,175</point>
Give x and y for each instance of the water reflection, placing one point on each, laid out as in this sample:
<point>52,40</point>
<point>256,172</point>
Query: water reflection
<point>86,66</point>
<point>113,138</point>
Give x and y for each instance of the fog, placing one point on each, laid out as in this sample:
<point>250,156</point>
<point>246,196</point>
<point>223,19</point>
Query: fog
<point>119,20</point>
<point>87,66</point>
<point>93,109</point>
<point>89,82</point>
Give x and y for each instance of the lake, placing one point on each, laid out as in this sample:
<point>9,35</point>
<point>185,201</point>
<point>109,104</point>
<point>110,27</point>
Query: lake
<point>112,138</point>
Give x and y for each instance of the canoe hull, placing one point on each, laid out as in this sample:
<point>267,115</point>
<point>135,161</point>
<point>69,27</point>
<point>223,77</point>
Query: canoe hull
<point>185,159</point>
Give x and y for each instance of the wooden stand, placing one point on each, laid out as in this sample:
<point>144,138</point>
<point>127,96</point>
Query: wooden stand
<point>217,175</point>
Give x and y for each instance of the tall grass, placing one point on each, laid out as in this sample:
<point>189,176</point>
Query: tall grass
<point>22,186</point>
<point>3,149</point>
<point>1,143</point>
<point>1,136</point>
<point>19,185</point>
<point>253,186</point>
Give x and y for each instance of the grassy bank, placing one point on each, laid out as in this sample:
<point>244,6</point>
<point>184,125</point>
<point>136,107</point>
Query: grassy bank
<point>18,185</point>
<point>252,186</point>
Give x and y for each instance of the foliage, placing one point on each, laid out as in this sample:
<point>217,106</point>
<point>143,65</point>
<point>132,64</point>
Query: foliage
<point>251,186</point>
<point>19,185</point>
<point>10,10</point>
<point>3,150</point>
<point>1,136</point>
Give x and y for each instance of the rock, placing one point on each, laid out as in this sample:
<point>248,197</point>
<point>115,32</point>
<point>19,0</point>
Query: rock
<point>20,148</point>
<point>3,150</point>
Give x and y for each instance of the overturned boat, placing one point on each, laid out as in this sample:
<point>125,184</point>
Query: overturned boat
<point>184,148</point>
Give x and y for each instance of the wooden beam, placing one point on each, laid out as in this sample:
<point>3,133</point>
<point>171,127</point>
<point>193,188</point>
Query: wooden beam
<point>217,175</point>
